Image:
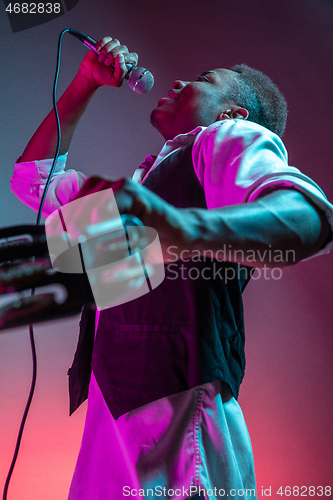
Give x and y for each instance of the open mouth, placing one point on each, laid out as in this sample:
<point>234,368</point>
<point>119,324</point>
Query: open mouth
<point>170,95</point>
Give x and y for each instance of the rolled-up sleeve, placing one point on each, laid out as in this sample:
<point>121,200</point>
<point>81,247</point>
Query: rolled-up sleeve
<point>29,179</point>
<point>237,161</point>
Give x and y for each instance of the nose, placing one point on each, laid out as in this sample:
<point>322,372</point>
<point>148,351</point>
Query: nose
<point>179,84</point>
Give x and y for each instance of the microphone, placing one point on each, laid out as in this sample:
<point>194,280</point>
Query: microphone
<point>139,79</point>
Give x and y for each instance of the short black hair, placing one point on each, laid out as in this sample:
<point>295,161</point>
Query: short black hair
<point>256,92</point>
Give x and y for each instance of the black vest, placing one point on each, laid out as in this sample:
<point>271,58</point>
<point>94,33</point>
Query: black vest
<point>186,332</point>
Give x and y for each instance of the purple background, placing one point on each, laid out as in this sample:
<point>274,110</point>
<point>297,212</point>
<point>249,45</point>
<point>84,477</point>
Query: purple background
<point>286,395</point>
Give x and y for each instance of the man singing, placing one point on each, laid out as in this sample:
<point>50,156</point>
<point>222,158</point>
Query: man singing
<point>163,371</point>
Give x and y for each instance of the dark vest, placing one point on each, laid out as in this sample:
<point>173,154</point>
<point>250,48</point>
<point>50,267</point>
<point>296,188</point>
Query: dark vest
<point>186,332</point>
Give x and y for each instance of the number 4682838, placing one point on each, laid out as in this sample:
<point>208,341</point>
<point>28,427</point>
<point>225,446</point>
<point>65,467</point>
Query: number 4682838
<point>34,8</point>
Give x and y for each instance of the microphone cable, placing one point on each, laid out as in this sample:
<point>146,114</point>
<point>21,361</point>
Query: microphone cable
<point>31,331</point>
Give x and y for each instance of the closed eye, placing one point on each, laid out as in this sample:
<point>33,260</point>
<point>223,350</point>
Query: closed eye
<point>202,78</point>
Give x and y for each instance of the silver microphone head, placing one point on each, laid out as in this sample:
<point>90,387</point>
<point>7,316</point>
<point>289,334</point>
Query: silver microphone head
<point>140,80</point>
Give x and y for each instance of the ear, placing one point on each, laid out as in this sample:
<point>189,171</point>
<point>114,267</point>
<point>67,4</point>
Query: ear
<point>233,113</point>
<point>240,113</point>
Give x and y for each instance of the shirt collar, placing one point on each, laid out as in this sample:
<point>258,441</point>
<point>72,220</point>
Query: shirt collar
<point>178,142</point>
<point>186,139</point>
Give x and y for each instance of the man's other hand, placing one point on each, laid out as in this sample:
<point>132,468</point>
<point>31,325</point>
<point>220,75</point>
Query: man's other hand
<point>171,224</point>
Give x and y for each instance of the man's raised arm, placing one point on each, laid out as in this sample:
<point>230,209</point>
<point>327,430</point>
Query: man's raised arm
<point>94,72</point>
<point>284,222</point>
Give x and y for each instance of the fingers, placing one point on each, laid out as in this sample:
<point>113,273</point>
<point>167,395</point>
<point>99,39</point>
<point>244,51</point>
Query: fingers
<point>116,55</point>
<point>110,48</point>
<point>124,191</point>
<point>96,183</point>
<point>109,67</point>
<point>103,42</point>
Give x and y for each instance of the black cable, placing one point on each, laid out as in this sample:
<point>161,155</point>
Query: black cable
<point>26,410</point>
<point>58,127</point>
<point>31,332</point>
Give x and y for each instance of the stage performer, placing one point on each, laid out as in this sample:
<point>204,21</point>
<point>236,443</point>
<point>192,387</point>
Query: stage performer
<point>164,370</point>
